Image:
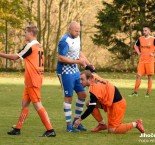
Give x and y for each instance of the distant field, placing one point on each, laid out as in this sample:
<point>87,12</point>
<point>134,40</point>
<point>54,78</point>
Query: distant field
<point>11,88</point>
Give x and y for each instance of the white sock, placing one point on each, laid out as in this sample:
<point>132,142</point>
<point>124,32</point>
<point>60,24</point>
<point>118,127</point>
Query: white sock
<point>134,124</point>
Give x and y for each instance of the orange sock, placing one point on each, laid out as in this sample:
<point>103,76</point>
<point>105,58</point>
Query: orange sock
<point>97,115</point>
<point>123,128</point>
<point>24,113</point>
<point>149,86</point>
<point>137,84</point>
<point>44,118</point>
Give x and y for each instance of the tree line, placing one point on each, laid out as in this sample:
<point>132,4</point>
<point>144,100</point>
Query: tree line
<point>117,25</point>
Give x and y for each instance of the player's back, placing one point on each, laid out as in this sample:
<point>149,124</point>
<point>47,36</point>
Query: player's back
<point>102,89</point>
<point>34,66</point>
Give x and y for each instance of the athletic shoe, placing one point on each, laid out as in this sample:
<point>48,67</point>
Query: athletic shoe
<point>80,127</point>
<point>99,128</point>
<point>140,126</point>
<point>14,131</point>
<point>70,128</point>
<point>133,94</point>
<point>49,133</point>
<point>147,95</point>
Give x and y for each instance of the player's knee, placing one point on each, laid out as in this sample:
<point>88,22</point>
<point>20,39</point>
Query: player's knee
<point>82,95</point>
<point>138,76</point>
<point>111,130</point>
<point>149,77</point>
<point>37,105</point>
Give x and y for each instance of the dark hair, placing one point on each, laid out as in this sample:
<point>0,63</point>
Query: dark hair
<point>146,26</point>
<point>33,29</point>
<point>87,73</point>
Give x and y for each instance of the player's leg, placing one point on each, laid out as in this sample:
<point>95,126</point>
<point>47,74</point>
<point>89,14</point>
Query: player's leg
<point>137,84</point>
<point>80,101</point>
<point>35,97</point>
<point>23,114</point>
<point>67,87</point>
<point>140,72</point>
<point>149,86</point>
<point>115,116</point>
<point>98,117</point>
<point>149,72</point>
<point>123,128</point>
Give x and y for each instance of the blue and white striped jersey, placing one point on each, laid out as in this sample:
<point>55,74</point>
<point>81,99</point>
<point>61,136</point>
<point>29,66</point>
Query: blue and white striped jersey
<point>69,47</point>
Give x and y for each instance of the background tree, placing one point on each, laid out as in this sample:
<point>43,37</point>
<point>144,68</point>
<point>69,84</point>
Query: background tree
<point>13,13</point>
<point>119,25</point>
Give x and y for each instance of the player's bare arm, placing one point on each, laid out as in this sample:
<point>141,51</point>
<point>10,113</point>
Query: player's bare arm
<point>9,56</point>
<point>87,63</point>
<point>67,60</point>
<point>137,50</point>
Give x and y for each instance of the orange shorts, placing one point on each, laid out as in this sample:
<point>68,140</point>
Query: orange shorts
<point>116,113</point>
<point>145,69</point>
<point>32,94</point>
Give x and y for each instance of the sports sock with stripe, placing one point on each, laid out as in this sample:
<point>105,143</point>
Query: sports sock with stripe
<point>44,118</point>
<point>79,107</point>
<point>123,128</point>
<point>137,84</point>
<point>149,86</point>
<point>67,111</point>
<point>22,118</point>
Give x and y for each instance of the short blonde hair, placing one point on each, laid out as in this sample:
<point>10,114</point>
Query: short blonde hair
<point>33,29</point>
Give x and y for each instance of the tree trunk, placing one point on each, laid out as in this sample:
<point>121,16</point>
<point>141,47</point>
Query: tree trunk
<point>54,60</point>
<point>39,21</point>
<point>48,34</point>
<point>131,43</point>
<point>44,32</point>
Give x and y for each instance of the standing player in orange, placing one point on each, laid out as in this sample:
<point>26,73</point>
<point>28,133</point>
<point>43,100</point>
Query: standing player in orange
<point>106,96</point>
<point>145,48</point>
<point>32,53</point>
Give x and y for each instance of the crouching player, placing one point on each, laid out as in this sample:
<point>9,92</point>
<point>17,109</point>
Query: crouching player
<point>105,95</point>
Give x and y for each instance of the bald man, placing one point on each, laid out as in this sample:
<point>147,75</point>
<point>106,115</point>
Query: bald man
<point>69,57</point>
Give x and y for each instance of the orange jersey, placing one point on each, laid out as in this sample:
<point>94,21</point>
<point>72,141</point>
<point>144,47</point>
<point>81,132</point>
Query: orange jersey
<point>33,57</point>
<point>102,89</point>
<point>147,47</point>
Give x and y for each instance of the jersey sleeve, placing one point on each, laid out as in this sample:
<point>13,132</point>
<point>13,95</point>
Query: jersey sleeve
<point>23,53</point>
<point>137,43</point>
<point>92,104</point>
<point>63,48</point>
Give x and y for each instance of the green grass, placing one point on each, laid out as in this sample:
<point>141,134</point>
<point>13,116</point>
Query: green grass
<point>11,88</point>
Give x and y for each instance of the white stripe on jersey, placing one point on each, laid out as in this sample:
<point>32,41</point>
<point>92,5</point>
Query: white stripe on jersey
<point>60,79</point>
<point>27,47</point>
<point>92,103</point>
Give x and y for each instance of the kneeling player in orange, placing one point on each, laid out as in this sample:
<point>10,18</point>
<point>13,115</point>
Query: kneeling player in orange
<point>32,53</point>
<point>105,95</point>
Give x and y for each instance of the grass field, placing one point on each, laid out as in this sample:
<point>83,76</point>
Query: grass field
<point>11,88</point>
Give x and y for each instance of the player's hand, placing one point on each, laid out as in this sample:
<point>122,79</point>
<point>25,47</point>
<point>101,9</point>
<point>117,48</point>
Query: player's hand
<point>82,62</point>
<point>77,122</point>
<point>92,66</point>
